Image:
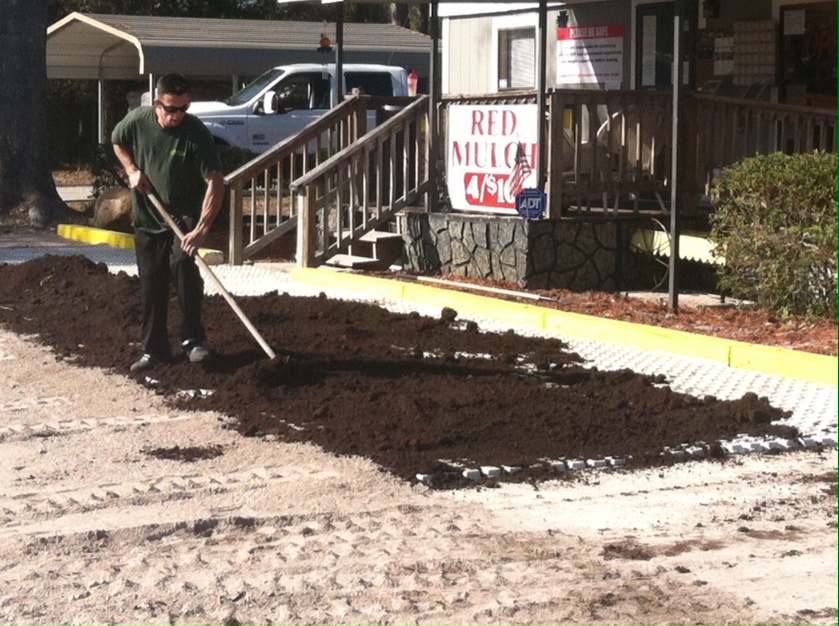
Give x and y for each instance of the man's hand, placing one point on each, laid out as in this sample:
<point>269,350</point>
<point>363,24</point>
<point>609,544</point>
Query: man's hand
<point>193,240</point>
<point>136,178</point>
<point>212,203</point>
<point>138,181</point>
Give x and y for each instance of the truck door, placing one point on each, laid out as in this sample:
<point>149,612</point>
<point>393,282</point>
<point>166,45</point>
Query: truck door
<point>371,83</point>
<point>301,98</point>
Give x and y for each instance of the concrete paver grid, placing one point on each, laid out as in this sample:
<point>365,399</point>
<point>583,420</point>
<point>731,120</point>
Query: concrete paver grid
<point>813,405</point>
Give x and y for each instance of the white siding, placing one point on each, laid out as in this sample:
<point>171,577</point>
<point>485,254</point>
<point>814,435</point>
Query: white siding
<point>471,67</point>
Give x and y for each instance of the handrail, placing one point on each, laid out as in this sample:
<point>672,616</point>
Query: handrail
<point>364,143</point>
<point>759,104</point>
<point>363,186</point>
<point>271,213</point>
<point>745,128</point>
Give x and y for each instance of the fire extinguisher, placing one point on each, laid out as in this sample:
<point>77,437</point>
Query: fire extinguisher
<point>412,84</point>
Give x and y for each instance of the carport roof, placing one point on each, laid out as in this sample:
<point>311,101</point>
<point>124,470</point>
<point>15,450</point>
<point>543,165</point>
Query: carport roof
<point>93,46</point>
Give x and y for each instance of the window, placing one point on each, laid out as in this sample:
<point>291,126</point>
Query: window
<point>369,83</point>
<point>303,91</point>
<point>517,58</point>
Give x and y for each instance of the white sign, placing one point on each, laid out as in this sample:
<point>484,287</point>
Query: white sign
<point>794,23</point>
<point>723,56</point>
<point>491,155</point>
<point>590,54</point>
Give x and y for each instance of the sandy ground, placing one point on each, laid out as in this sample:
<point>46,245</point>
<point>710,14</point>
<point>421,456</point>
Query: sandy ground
<point>297,536</point>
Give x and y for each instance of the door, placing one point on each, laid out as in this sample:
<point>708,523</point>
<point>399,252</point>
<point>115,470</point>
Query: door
<point>654,45</point>
<point>808,54</point>
<point>301,99</point>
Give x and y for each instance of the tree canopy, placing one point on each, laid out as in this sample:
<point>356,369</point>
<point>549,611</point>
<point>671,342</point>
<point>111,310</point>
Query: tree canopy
<point>229,9</point>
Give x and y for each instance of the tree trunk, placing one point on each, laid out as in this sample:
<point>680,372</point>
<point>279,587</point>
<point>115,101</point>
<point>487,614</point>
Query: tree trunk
<point>26,185</point>
<point>399,14</point>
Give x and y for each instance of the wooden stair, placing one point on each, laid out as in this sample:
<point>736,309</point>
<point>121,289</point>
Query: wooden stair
<point>374,250</point>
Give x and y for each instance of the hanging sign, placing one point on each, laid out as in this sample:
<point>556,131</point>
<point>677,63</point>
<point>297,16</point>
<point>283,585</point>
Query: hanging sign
<point>491,155</point>
<point>590,54</point>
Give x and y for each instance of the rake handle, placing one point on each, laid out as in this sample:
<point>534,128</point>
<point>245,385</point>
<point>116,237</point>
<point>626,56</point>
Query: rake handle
<point>203,265</point>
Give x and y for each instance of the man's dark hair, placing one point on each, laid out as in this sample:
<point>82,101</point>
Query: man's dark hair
<point>172,84</point>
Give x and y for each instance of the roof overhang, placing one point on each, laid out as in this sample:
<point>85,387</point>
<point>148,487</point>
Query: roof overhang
<point>81,47</point>
<point>111,47</point>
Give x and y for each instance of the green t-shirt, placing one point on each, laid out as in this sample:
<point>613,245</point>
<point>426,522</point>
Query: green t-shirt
<point>176,161</point>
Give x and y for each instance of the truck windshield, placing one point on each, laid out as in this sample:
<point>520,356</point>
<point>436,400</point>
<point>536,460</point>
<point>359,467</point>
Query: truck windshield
<point>246,93</point>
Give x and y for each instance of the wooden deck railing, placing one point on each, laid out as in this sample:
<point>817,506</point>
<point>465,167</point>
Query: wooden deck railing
<point>726,130</point>
<point>363,187</point>
<point>607,146</point>
<point>612,149</point>
<point>262,204</point>
<point>606,150</point>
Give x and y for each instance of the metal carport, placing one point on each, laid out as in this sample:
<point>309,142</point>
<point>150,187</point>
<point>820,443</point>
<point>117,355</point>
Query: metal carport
<point>125,47</point>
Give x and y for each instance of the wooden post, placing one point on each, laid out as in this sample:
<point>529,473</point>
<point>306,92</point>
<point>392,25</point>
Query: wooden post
<point>235,243</point>
<point>306,226</point>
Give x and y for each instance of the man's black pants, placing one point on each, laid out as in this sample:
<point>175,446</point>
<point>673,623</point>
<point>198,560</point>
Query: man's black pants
<point>161,261</point>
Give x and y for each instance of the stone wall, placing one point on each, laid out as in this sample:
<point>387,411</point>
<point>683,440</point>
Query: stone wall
<point>579,253</point>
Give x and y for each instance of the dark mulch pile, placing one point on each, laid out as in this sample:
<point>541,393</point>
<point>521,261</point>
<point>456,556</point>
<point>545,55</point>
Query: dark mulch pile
<point>403,390</point>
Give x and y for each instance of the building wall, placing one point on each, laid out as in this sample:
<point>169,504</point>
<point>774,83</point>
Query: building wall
<point>737,52</point>
<point>468,65</point>
<point>470,43</point>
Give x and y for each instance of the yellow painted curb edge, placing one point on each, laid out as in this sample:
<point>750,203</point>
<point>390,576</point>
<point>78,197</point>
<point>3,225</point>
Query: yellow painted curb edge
<point>91,235</point>
<point>88,234</point>
<point>784,362</point>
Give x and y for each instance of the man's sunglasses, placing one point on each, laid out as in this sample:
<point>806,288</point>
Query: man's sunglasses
<point>171,109</point>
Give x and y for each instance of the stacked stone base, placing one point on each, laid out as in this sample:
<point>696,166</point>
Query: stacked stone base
<point>576,253</point>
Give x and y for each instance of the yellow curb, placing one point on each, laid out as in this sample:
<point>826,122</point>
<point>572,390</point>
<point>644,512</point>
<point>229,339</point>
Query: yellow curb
<point>816,368</point>
<point>88,234</point>
<point>91,235</point>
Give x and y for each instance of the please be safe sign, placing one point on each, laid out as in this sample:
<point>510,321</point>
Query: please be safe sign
<point>530,203</point>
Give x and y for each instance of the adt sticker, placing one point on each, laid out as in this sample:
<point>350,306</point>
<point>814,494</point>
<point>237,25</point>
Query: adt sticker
<point>530,203</point>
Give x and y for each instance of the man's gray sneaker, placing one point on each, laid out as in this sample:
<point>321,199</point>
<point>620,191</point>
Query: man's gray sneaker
<point>146,362</point>
<point>198,352</point>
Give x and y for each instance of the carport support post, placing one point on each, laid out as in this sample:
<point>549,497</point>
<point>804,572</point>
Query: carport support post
<point>100,109</point>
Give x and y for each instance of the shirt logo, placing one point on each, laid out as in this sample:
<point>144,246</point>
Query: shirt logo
<point>178,153</point>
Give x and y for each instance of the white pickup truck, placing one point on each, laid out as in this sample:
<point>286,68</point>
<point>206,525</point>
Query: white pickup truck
<point>284,99</point>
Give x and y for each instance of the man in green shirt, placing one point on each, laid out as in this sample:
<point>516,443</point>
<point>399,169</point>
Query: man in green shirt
<point>166,150</point>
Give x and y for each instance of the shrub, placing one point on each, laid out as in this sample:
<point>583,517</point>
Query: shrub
<point>106,170</point>
<point>233,158</point>
<point>775,224</point>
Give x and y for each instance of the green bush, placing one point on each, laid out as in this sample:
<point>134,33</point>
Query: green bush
<point>233,158</point>
<point>775,225</point>
<point>106,169</point>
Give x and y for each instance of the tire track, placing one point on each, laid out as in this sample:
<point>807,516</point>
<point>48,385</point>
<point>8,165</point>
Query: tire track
<point>31,508</point>
<point>22,431</point>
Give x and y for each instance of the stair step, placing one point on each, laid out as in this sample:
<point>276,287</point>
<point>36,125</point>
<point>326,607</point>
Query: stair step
<point>379,235</point>
<point>372,236</point>
<point>354,262</point>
